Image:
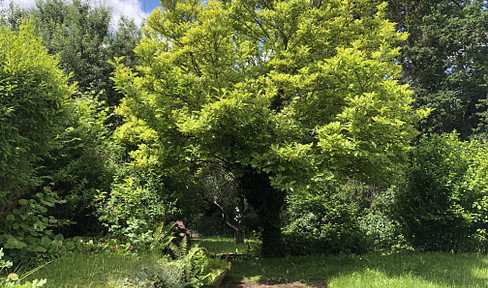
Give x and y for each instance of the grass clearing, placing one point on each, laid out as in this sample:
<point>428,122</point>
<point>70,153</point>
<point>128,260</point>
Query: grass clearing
<point>429,270</point>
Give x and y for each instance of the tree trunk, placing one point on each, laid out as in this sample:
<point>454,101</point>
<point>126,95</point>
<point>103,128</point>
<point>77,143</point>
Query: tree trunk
<point>239,234</point>
<point>268,203</point>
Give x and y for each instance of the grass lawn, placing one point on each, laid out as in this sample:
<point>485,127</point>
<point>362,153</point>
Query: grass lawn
<point>432,270</point>
<point>93,270</point>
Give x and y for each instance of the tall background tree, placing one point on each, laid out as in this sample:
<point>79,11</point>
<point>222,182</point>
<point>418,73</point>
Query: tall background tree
<point>80,32</point>
<point>284,95</point>
<point>444,61</point>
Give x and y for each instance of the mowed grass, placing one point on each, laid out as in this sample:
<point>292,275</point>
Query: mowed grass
<point>430,270</point>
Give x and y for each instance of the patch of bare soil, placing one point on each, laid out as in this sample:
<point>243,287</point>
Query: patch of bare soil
<point>229,283</point>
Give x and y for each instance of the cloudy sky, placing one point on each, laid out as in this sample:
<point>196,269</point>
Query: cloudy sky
<point>137,9</point>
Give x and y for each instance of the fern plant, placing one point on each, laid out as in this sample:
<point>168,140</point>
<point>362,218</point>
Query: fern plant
<point>188,264</point>
<point>162,238</point>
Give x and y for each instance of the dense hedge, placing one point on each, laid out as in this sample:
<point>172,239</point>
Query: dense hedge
<point>32,92</point>
<point>443,206</point>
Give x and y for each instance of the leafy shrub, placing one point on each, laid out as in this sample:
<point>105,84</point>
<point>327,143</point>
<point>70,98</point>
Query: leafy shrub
<point>135,206</point>
<point>322,223</point>
<point>32,95</point>
<point>27,232</point>
<point>352,217</point>
<point>192,266</point>
<point>171,273</point>
<point>381,232</point>
<point>80,163</point>
<point>443,204</point>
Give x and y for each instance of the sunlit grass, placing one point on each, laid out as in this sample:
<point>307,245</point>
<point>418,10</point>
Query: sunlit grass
<point>93,270</point>
<point>430,270</point>
<point>217,245</point>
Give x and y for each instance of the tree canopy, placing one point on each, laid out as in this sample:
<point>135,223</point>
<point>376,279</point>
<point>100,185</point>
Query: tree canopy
<point>444,61</point>
<point>284,94</point>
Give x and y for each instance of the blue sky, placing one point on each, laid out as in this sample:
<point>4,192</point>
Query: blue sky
<point>137,9</point>
<point>149,5</point>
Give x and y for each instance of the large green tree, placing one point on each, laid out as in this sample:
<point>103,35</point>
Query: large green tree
<point>444,60</point>
<point>282,94</point>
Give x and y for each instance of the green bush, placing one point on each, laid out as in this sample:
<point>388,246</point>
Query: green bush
<point>27,232</point>
<point>322,223</point>
<point>32,95</point>
<point>80,163</point>
<point>382,234</point>
<point>135,206</point>
<point>442,206</point>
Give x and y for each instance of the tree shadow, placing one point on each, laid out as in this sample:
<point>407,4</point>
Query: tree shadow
<point>231,283</point>
<point>453,270</point>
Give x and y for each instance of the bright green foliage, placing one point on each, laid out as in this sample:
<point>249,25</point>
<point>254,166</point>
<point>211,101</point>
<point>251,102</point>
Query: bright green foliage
<point>281,93</point>
<point>32,93</point>
<point>380,229</point>
<point>191,267</point>
<point>27,231</point>
<point>444,60</point>
<point>443,205</point>
<point>81,159</point>
<point>79,164</point>
<point>136,205</point>
<point>351,218</point>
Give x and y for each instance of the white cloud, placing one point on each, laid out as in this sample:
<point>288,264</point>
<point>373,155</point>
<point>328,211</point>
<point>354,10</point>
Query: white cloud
<point>21,3</point>
<point>130,8</point>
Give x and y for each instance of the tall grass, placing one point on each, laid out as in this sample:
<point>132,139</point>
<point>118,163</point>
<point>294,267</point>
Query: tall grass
<point>93,270</point>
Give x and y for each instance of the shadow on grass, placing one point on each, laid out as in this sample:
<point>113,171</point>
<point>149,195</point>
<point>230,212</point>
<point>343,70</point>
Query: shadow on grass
<point>271,284</point>
<point>397,270</point>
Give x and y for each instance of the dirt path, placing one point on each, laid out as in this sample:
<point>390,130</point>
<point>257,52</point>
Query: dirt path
<point>259,284</point>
